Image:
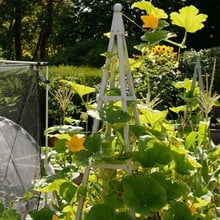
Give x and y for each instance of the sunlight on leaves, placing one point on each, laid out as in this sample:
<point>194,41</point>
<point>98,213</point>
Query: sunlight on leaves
<point>179,210</point>
<point>55,185</point>
<point>189,19</point>
<point>150,9</point>
<point>157,36</point>
<point>152,116</point>
<point>114,115</point>
<point>80,89</point>
<point>143,194</point>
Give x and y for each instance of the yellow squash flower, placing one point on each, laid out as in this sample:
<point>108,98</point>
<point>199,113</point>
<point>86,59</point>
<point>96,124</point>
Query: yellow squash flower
<point>54,217</point>
<point>150,21</point>
<point>76,142</point>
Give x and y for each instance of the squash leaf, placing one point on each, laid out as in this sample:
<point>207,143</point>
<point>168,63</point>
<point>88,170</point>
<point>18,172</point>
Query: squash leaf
<point>178,211</point>
<point>152,156</point>
<point>156,36</point>
<point>143,194</point>
<point>105,211</point>
<point>114,115</point>
<point>189,19</point>
<point>81,90</point>
<point>150,9</point>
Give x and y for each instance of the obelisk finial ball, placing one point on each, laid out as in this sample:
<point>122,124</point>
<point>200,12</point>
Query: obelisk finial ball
<point>117,7</point>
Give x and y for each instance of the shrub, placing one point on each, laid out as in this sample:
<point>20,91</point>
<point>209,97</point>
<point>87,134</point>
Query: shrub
<point>87,52</point>
<point>206,56</point>
<point>84,75</point>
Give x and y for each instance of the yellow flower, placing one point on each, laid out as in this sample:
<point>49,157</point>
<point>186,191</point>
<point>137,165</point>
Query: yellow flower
<point>163,50</point>
<point>150,21</point>
<point>75,144</point>
<point>54,217</point>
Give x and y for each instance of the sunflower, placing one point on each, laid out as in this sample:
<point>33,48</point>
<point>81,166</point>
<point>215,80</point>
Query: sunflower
<point>163,50</point>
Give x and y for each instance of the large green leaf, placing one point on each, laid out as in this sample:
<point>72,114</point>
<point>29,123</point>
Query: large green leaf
<point>55,185</point>
<point>143,194</point>
<point>191,139</point>
<point>174,188</point>
<point>203,131</point>
<point>105,212</point>
<point>150,9</point>
<point>42,214</point>
<point>188,18</point>
<point>113,199</point>
<point>123,216</point>
<point>185,163</point>
<point>178,211</point>
<point>67,190</point>
<point>153,156</point>
<point>152,116</point>
<point>114,115</point>
<point>93,142</point>
<point>81,90</point>
<point>157,36</point>
<point>60,145</point>
<point>82,157</point>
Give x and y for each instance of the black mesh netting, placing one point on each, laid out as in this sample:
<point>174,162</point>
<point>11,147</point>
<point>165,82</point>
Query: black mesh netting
<point>19,136</point>
<point>19,98</point>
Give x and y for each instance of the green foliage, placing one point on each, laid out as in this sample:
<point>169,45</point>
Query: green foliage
<point>206,56</point>
<point>150,9</point>
<point>143,194</point>
<point>44,213</point>
<point>156,37</point>
<point>8,213</point>
<point>76,26</point>
<point>105,212</point>
<point>64,101</point>
<point>85,75</point>
<point>178,211</point>
<point>86,52</point>
<point>192,24</point>
<point>171,178</point>
<point>114,115</point>
<point>168,170</point>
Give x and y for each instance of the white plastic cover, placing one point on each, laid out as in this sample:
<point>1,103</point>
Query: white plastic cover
<point>19,164</point>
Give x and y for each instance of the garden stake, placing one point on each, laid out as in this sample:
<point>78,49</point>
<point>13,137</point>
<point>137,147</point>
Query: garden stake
<point>118,49</point>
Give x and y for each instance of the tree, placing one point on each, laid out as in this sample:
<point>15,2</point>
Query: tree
<point>46,30</point>
<point>43,29</point>
<point>18,28</point>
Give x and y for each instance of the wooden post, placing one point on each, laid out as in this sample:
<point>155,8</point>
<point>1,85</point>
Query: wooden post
<point>117,49</point>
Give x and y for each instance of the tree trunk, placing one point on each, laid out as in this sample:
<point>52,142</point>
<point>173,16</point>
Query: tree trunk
<point>17,29</point>
<point>35,56</point>
<point>47,29</point>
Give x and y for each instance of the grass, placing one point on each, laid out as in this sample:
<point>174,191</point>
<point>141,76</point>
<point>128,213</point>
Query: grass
<point>81,74</point>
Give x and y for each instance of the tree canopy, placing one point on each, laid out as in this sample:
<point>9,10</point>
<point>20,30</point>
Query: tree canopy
<point>49,29</point>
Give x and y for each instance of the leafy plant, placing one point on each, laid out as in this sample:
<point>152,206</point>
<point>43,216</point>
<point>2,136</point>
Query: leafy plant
<point>168,172</point>
<point>8,213</point>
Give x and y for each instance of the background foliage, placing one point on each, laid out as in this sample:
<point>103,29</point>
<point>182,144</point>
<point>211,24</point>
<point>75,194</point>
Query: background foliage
<point>67,31</point>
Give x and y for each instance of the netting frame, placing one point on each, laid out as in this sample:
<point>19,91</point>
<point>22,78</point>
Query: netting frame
<point>9,64</point>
